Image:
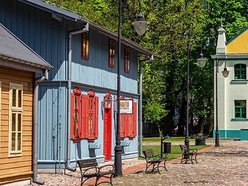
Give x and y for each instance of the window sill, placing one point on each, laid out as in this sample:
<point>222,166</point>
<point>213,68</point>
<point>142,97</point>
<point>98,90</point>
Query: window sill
<point>13,154</point>
<point>125,143</point>
<point>239,81</point>
<point>239,119</point>
<point>94,146</point>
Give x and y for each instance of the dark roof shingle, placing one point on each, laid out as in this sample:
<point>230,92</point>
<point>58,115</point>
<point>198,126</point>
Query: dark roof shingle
<point>14,49</point>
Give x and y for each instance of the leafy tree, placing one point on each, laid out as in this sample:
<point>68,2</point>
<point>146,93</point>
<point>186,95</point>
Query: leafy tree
<point>175,29</point>
<point>153,107</point>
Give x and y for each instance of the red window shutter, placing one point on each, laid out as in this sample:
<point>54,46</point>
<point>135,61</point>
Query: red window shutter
<point>84,111</point>
<point>90,119</point>
<point>122,125</point>
<point>134,119</point>
<point>127,124</point>
<point>96,117</point>
<point>72,127</point>
<point>80,116</point>
<point>132,122</point>
<point>75,128</point>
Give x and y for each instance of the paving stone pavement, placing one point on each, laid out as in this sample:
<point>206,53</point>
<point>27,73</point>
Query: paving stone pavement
<point>226,165</point>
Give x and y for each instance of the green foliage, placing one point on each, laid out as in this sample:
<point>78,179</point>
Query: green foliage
<point>171,139</point>
<point>175,149</point>
<point>233,14</point>
<point>175,29</point>
<point>154,111</point>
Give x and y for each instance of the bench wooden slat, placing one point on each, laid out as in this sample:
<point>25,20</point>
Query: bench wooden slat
<point>87,163</point>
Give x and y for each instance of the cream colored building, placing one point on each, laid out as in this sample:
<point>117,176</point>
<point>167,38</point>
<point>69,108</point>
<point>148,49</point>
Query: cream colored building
<point>233,90</point>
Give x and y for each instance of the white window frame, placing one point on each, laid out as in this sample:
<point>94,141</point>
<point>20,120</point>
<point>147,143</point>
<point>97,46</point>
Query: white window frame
<point>17,110</point>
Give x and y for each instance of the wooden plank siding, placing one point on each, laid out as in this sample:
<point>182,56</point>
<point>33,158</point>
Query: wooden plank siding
<point>104,76</point>
<point>16,167</point>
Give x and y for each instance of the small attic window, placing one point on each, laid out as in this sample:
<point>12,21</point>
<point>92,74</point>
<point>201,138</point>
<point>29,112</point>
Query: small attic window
<point>126,60</point>
<point>85,46</point>
<point>111,60</point>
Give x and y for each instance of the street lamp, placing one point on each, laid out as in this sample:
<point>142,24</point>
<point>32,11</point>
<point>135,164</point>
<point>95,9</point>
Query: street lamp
<point>219,57</point>
<point>186,140</point>
<point>218,61</point>
<point>225,73</point>
<point>140,24</point>
<point>201,63</point>
<point>140,27</point>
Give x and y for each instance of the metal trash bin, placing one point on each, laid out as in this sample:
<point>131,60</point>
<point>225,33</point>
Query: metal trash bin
<point>167,147</point>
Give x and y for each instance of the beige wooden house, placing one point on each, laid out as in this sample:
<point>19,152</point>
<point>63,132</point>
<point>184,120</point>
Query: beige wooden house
<point>18,65</point>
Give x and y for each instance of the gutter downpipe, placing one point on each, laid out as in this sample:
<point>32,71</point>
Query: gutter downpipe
<point>35,130</point>
<point>69,65</point>
<point>140,126</point>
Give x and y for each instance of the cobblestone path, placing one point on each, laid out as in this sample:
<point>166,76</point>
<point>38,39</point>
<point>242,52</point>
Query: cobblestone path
<point>226,165</point>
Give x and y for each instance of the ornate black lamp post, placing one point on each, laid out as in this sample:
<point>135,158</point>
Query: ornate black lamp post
<point>140,27</point>
<point>201,63</point>
<point>225,73</point>
<point>218,61</point>
<point>186,140</point>
<point>219,57</point>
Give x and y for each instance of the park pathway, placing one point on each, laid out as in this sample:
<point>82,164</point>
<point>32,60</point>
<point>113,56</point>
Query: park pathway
<point>226,165</point>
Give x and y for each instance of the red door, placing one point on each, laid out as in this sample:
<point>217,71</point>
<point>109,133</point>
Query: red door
<point>107,127</point>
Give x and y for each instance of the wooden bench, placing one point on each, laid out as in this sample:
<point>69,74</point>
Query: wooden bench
<point>153,162</point>
<point>90,169</point>
<point>188,155</point>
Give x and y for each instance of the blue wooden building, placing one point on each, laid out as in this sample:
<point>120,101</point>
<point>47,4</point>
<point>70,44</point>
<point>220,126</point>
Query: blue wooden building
<point>76,107</point>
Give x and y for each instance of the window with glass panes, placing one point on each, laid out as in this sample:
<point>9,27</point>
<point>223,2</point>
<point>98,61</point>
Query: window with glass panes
<point>240,108</point>
<point>85,46</point>
<point>111,60</point>
<point>16,114</point>
<point>240,71</point>
<point>126,60</point>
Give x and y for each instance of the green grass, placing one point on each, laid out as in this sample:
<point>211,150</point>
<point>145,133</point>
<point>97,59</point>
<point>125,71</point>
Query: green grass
<point>175,149</point>
<point>157,139</point>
